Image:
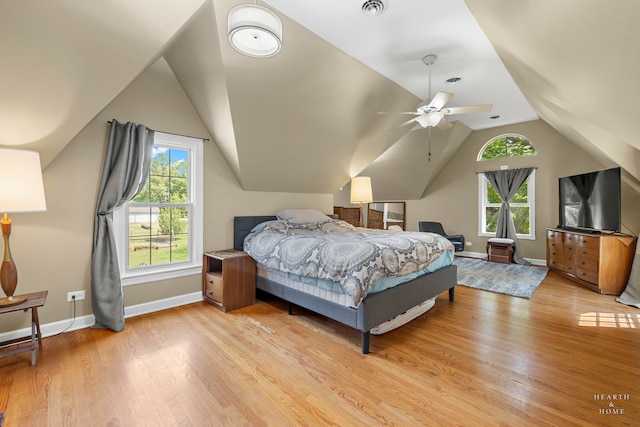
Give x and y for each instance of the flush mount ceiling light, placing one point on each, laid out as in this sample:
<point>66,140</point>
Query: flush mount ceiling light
<point>374,7</point>
<point>255,31</point>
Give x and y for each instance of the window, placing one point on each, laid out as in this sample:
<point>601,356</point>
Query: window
<point>160,229</point>
<point>522,208</point>
<point>505,146</point>
<point>522,204</point>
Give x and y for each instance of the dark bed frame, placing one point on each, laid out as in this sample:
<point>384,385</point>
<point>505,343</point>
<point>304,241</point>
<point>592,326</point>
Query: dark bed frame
<point>375,309</point>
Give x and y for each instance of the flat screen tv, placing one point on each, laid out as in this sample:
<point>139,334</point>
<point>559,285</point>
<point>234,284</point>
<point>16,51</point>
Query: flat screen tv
<point>591,201</point>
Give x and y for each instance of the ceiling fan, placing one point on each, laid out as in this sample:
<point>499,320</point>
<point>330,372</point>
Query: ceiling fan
<point>431,113</point>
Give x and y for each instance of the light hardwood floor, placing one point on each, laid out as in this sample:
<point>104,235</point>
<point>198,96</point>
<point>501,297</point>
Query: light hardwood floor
<point>485,359</point>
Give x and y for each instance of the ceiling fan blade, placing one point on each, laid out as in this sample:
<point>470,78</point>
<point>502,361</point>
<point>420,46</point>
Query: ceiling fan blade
<point>469,109</point>
<point>402,112</point>
<point>439,100</point>
<point>404,124</point>
<point>444,124</point>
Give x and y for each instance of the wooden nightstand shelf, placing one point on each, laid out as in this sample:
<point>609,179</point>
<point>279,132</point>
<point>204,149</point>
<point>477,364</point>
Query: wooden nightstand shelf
<point>228,279</point>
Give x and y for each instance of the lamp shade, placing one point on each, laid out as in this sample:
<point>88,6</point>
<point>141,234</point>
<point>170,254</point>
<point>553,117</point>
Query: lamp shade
<point>430,119</point>
<point>254,30</point>
<point>361,190</point>
<point>21,187</point>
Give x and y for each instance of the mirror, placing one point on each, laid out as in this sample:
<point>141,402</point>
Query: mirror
<point>381,215</point>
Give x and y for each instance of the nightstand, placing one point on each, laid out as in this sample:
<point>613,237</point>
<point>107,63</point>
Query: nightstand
<point>228,279</point>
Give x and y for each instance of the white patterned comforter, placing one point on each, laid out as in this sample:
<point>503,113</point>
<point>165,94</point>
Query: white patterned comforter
<point>335,250</point>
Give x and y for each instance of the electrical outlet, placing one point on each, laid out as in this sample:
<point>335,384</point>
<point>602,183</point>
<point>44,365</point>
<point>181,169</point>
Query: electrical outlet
<point>468,243</point>
<point>77,296</point>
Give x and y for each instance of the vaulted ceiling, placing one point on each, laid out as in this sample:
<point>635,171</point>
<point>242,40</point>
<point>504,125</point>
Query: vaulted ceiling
<point>306,119</point>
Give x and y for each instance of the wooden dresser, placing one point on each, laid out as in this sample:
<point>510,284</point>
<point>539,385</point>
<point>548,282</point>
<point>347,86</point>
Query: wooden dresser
<point>601,262</point>
<point>350,215</point>
<point>375,219</point>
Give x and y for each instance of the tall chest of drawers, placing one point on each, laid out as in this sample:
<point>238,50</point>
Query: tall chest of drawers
<point>350,215</point>
<point>601,262</point>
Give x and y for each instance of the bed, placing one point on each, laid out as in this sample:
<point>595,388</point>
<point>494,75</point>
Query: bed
<point>366,311</point>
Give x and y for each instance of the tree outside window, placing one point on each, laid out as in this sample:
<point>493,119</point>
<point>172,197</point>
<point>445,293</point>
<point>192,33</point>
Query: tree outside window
<point>159,213</point>
<point>505,146</point>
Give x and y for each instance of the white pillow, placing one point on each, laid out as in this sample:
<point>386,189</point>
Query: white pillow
<point>302,216</point>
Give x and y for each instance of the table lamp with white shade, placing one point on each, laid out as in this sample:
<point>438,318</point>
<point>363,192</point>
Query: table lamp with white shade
<point>361,192</point>
<point>22,190</point>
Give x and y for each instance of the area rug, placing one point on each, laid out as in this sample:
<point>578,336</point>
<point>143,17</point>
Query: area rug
<point>510,279</point>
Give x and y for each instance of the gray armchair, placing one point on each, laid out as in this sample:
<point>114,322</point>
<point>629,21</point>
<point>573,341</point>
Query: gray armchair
<point>436,227</point>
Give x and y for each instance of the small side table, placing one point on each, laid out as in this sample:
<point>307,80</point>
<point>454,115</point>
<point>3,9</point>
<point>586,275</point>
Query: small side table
<point>228,279</point>
<point>500,250</point>
<point>34,300</point>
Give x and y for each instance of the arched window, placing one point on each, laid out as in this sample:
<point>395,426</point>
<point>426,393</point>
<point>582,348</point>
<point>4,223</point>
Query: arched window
<point>522,204</point>
<point>505,146</point>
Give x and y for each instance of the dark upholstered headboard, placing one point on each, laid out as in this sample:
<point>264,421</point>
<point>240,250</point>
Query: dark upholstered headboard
<point>242,225</point>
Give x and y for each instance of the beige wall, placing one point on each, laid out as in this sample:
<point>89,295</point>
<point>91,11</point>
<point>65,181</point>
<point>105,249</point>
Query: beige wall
<point>453,197</point>
<point>52,250</point>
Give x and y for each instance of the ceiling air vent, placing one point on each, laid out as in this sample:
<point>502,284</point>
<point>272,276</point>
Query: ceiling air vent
<point>374,7</point>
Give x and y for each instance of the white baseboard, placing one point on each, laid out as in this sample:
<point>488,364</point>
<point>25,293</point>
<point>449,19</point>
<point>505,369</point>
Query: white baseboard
<point>163,304</point>
<point>481,255</point>
<point>54,328</point>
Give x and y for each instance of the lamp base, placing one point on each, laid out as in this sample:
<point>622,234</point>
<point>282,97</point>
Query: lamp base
<point>9,301</point>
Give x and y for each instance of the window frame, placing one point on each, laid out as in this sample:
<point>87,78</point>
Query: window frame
<point>193,266</point>
<point>504,136</point>
<point>483,205</point>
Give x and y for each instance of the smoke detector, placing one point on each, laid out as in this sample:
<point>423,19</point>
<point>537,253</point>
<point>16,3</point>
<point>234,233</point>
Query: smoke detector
<point>374,7</point>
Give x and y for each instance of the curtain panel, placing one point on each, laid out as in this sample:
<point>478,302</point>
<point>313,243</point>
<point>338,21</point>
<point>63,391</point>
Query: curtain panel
<point>507,183</point>
<point>126,168</point>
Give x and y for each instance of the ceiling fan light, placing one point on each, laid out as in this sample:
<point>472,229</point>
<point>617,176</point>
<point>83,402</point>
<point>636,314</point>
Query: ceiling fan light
<point>430,119</point>
<point>254,31</point>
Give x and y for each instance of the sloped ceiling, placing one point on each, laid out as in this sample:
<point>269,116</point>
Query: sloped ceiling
<point>303,121</point>
<point>63,61</point>
<point>576,62</point>
<point>306,120</point>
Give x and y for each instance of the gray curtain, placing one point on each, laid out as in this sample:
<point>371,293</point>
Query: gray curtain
<point>507,183</point>
<point>631,294</point>
<point>126,168</point>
